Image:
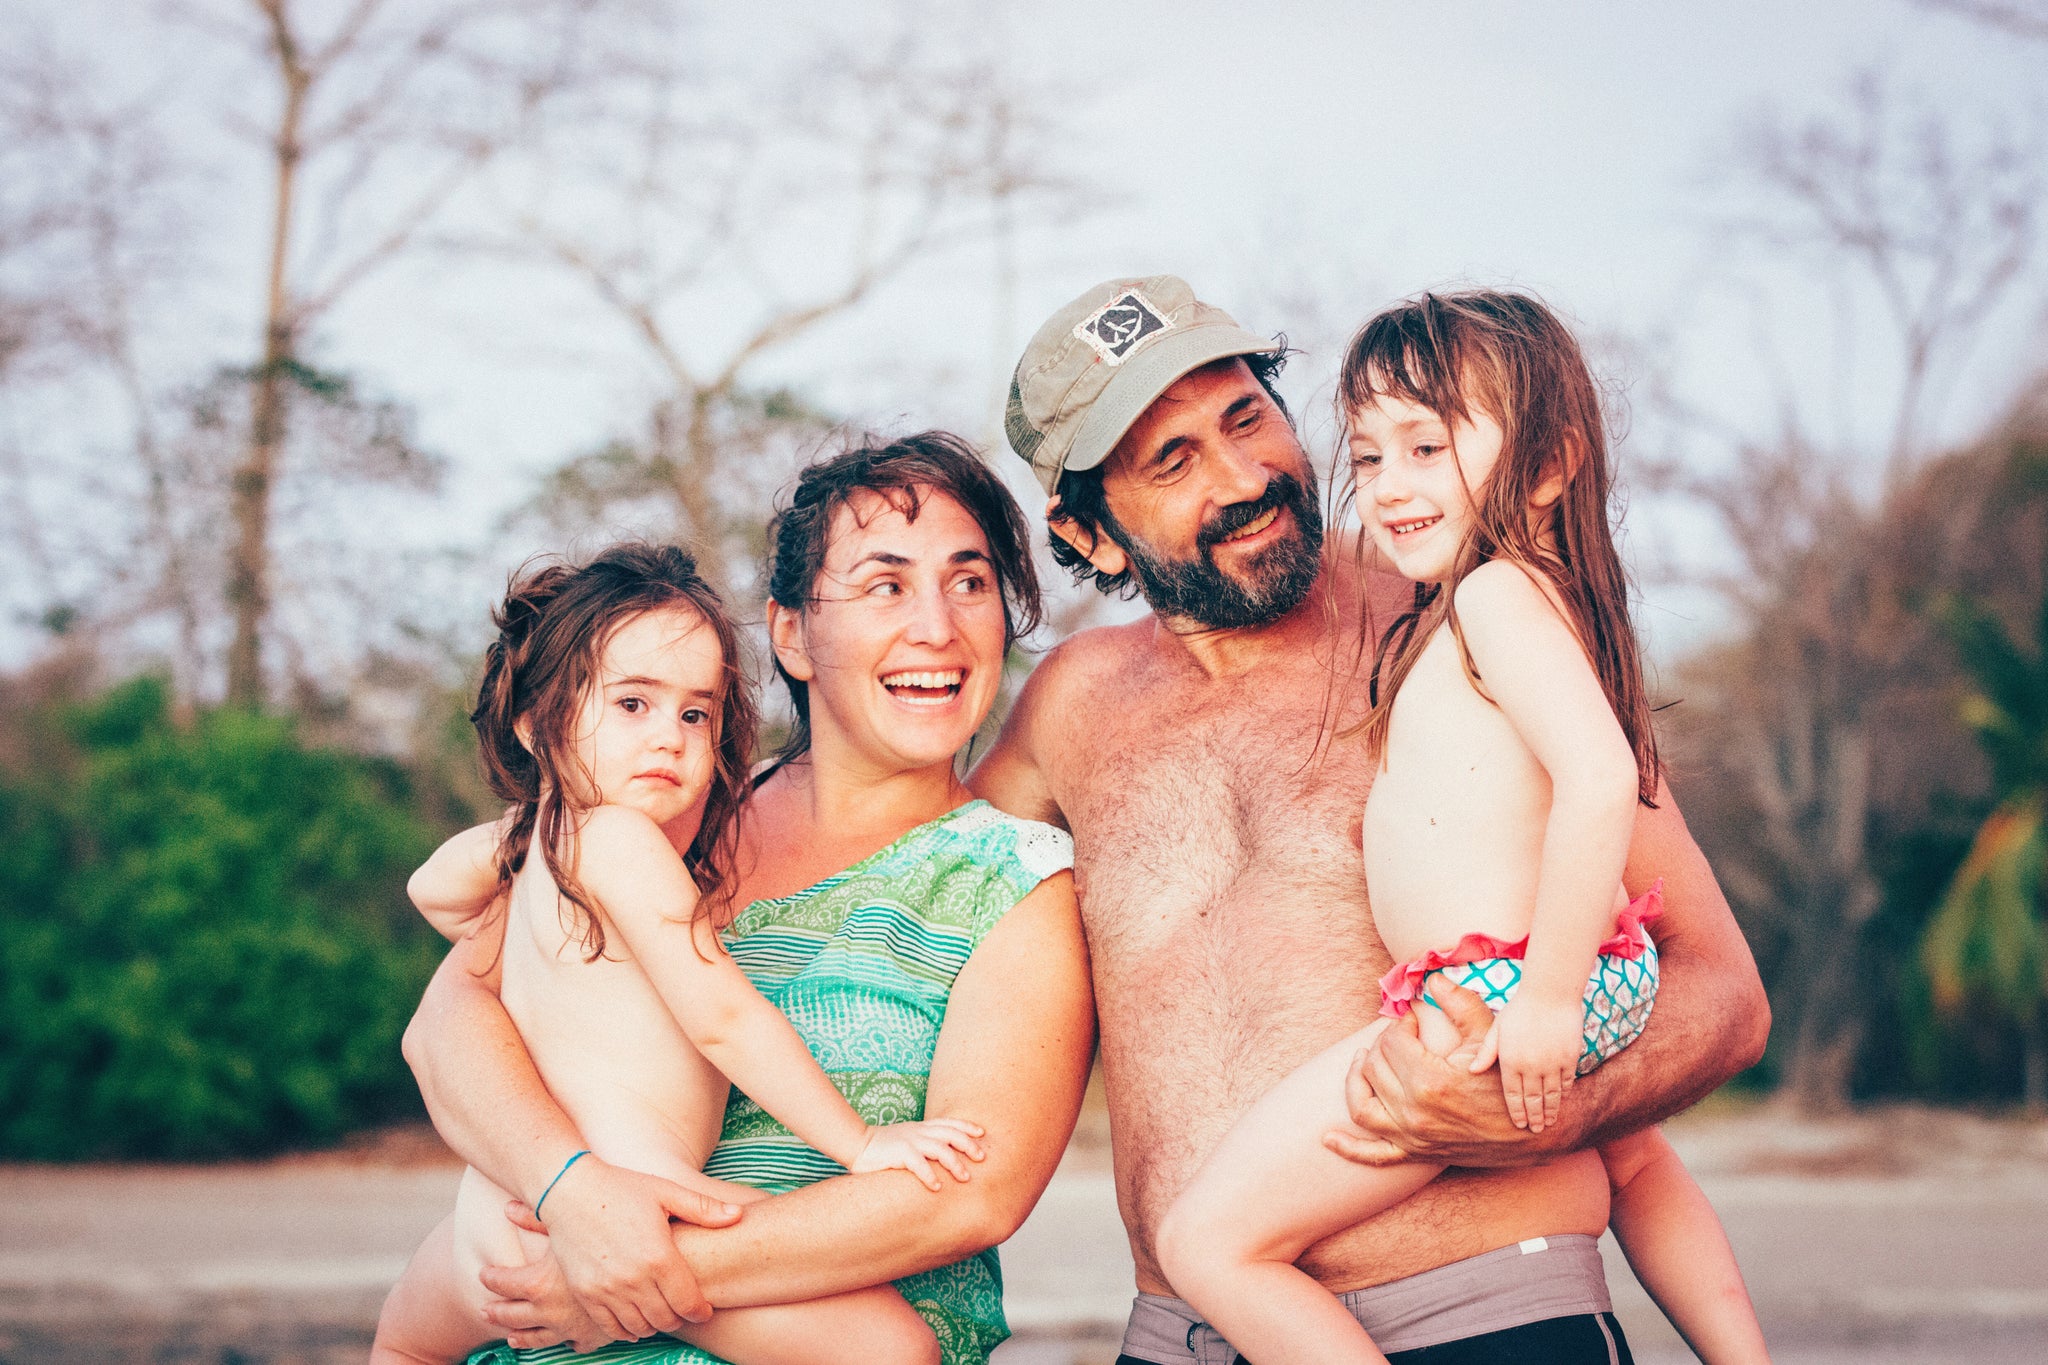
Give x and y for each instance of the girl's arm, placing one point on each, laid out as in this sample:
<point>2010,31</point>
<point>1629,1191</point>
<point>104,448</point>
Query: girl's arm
<point>454,886</point>
<point>1678,1249</point>
<point>1012,1056</point>
<point>1533,667</point>
<point>647,897</point>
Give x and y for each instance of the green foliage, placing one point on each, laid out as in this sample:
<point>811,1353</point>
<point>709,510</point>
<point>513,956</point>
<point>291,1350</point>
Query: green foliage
<point>1987,941</point>
<point>208,948</point>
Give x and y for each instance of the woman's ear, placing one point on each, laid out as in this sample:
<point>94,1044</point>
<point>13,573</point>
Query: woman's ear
<point>786,634</point>
<point>1104,554</point>
<point>522,730</point>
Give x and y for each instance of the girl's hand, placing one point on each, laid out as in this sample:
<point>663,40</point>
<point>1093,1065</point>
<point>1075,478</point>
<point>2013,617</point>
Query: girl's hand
<point>1538,1043</point>
<point>914,1147</point>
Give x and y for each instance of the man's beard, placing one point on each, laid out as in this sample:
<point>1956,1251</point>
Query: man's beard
<point>1278,577</point>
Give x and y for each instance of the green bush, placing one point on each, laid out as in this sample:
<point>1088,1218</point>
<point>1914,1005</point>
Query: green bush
<point>204,942</point>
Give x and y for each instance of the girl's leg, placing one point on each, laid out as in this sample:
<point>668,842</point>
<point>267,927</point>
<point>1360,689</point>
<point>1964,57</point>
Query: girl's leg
<point>868,1324</point>
<point>1269,1192</point>
<point>1678,1249</point>
<point>434,1314</point>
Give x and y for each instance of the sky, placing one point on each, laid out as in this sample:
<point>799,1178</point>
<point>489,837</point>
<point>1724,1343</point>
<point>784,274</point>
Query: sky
<point>1302,164</point>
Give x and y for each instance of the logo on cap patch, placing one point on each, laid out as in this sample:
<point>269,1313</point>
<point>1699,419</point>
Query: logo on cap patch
<point>1118,326</point>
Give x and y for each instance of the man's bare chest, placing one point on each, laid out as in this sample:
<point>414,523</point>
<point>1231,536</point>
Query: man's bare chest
<point>1206,814</point>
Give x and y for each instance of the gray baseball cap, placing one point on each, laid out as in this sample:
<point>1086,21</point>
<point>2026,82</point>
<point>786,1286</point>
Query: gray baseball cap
<point>1098,363</point>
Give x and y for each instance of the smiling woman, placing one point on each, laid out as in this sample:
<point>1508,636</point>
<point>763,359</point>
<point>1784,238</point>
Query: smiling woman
<point>925,946</point>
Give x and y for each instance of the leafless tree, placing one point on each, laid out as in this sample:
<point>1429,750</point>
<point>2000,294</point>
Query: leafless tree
<point>722,217</point>
<point>379,115</point>
<point>1823,706</point>
<point>1938,232</point>
<point>2023,18</point>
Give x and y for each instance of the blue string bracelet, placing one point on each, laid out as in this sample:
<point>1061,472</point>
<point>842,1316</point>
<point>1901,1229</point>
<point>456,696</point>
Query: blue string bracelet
<point>556,1181</point>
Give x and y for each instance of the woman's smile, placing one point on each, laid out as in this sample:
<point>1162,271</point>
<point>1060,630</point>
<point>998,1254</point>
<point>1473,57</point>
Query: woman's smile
<point>925,687</point>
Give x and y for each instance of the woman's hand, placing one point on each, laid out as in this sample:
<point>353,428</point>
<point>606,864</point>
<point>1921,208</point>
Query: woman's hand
<point>913,1147</point>
<point>613,1258</point>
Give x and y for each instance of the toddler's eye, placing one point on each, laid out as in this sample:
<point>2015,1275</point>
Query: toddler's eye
<point>1365,459</point>
<point>696,715</point>
<point>632,706</point>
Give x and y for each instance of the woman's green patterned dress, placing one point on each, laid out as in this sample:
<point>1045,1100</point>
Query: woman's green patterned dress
<point>862,963</point>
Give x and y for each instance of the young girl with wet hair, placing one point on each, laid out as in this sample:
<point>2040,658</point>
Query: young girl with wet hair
<point>1511,732</point>
<point>615,718</point>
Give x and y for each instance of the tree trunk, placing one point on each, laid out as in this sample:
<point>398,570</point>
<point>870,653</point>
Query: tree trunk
<point>248,587</point>
<point>695,472</point>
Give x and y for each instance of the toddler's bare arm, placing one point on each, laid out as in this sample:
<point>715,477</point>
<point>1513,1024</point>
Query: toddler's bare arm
<point>459,882</point>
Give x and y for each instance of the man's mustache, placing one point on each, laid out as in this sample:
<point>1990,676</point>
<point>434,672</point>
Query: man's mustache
<point>1282,490</point>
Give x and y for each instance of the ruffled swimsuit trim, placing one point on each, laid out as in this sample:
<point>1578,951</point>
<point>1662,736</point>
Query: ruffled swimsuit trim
<point>1400,987</point>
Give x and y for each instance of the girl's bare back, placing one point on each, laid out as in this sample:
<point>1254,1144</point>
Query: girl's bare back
<point>1454,824</point>
<point>610,1050</point>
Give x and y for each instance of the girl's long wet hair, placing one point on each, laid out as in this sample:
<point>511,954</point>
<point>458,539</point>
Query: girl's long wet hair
<point>1511,358</point>
<point>904,473</point>
<point>553,628</point>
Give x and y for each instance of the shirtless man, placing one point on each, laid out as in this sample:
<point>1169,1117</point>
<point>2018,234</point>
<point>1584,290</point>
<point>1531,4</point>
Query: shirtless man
<point>1198,757</point>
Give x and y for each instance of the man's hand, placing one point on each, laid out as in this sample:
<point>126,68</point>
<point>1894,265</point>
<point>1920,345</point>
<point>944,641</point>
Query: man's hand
<point>1417,1106</point>
<point>614,1273</point>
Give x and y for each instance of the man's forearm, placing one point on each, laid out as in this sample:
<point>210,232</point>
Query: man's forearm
<point>482,1091</point>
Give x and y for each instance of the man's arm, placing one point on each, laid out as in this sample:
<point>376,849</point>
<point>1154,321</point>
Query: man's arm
<point>1011,776</point>
<point>1012,1057</point>
<point>1711,1020</point>
<point>609,1227</point>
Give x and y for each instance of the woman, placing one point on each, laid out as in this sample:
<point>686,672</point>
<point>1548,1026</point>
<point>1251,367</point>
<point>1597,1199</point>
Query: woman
<point>926,946</point>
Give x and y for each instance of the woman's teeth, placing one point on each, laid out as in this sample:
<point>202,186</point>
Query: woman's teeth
<point>929,688</point>
<point>1254,526</point>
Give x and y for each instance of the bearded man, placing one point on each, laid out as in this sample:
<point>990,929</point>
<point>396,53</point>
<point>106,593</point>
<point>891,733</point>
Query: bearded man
<point>1203,759</point>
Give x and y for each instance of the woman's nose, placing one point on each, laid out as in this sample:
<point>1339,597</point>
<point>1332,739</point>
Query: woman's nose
<point>931,618</point>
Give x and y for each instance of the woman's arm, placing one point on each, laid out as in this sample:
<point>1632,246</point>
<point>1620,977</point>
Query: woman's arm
<point>1711,1021</point>
<point>609,1227</point>
<point>1012,1057</point>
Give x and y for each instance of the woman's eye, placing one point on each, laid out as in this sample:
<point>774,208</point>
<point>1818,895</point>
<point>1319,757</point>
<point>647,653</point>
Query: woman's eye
<point>885,587</point>
<point>970,584</point>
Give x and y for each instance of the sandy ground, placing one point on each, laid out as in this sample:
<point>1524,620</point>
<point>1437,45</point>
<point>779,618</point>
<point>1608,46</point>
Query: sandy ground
<point>1890,1235</point>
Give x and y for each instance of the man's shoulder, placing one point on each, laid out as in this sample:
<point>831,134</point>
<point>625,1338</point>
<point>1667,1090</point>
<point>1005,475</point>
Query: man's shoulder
<point>1088,657</point>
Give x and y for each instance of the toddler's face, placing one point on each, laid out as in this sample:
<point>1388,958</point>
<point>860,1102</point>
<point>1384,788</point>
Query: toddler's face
<point>1417,479</point>
<point>648,727</point>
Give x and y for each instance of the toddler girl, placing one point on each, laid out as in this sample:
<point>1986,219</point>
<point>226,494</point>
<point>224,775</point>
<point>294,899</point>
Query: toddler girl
<point>614,717</point>
<point>1512,734</point>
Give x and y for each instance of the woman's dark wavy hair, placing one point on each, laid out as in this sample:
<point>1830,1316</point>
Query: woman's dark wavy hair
<point>1509,356</point>
<point>1081,496</point>
<point>552,631</point>
<point>904,472</point>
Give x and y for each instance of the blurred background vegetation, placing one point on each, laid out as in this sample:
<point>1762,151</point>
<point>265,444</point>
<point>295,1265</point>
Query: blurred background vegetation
<point>242,615</point>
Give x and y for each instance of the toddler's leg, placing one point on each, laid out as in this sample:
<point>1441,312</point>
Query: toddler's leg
<point>1269,1192</point>
<point>868,1324</point>
<point>1678,1249</point>
<point>434,1314</point>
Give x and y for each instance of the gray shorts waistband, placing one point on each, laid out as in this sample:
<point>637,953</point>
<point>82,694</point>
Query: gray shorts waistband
<point>1544,1277</point>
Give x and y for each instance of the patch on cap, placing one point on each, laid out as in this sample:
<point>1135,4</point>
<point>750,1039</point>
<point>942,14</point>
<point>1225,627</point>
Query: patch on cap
<point>1119,325</point>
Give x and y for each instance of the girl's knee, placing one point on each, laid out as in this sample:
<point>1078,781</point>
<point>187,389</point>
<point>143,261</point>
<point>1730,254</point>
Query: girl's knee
<point>913,1344</point>
<point>1193,1240</point>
